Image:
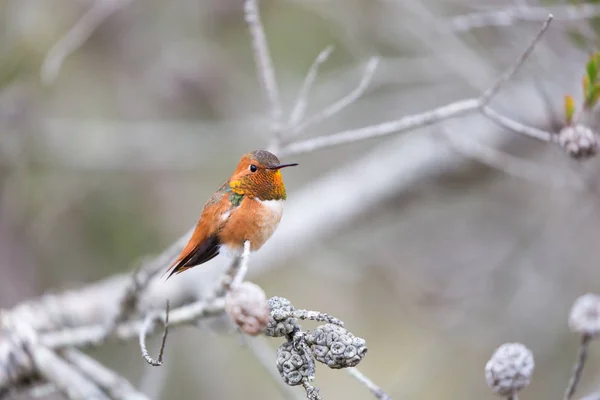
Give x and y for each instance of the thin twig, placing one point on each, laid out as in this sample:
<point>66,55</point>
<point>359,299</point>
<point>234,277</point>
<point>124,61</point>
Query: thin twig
<point>151,320</point>
<point>112,383</point>
<point>312,316</point>
<point>140,279</point>
<point>511,15</point>
<point>513,396</point>
<point>312,392</point>
<point>264,62</point>
<point>383,129</point>
<point>517,127</point>
<point>299,109</point>
<point>578,367</point>
<point>77,36</point>
<point>236,273</point>
<point>418,120</point>
<point>265,356</point>
<point>92,335</point>
<point>66,378</point>
<point>509,73</point>
<point>344,101</point>
<point>507,163</point>
<point>362,378</point>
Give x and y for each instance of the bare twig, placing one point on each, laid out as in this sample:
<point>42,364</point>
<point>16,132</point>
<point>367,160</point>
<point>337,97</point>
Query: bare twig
<point>64,376</point>
<point>264,63</point>
<point>510,72</point>
<point>312,392</point>
<point>386,128</point>
<point>313,316</point>
<point>343,102</point>
<point>509,164</point>
<point>511,15</point>
<point>112,383</point>
<point>418,120</point>
<point>150,320</point>
<point>299,109</point>
<point>362,378</point>
<point>90,335</point>
<point>236,273</point>
<point>140,279</point>
<point>578,367</point>
<point>76,37</point>
<point>517,127</point>
<point>265,355</point>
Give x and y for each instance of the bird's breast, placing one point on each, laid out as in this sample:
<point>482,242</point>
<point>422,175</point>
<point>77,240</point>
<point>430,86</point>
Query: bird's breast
<point>254,220</point>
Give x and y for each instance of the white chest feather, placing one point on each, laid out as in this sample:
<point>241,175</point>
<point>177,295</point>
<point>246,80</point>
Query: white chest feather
<point>273,210</point>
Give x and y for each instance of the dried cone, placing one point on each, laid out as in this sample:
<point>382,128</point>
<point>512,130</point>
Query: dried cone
<point>579,141</point>
<point>294,365</point>
<point>335,347</point>
<point>247,306</point>
<point>510,369</point>
<point>585,315</point>
<point>280,324</point>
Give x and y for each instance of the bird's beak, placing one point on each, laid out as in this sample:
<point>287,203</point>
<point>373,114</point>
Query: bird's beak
<point>282,166</point>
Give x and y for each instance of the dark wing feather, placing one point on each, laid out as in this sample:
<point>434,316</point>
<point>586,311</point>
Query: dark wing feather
<point>205,251</point>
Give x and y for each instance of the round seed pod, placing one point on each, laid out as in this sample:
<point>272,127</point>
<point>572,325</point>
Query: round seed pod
<point>335,347</point>
<point>294,365</point>
<point>585,315</point>
<point>280,323</point>
<point>247,306</point>
<point>578,141</point>
<point>510,369</point>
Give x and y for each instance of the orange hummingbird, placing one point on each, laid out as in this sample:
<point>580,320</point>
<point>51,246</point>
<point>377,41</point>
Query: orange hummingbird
<point>246,207</point>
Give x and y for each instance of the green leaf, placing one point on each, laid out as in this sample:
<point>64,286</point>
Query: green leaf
<point>591,97</point>
<point>586,86</point>
<point>592,69</point>
<point>569,108</point>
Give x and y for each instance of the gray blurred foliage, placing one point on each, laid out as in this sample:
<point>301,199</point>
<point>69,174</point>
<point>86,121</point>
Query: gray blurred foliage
<point>113,161</point>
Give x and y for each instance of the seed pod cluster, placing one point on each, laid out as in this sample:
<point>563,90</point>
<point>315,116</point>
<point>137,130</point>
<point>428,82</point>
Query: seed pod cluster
<point>335,347</point>
<point>509,369</point>
<point>330,344</point>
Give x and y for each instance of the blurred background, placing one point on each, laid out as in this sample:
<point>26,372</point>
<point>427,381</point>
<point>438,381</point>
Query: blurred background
<point>109,157</point>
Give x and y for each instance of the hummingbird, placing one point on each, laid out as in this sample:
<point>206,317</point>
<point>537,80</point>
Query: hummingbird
<point>247,207</point>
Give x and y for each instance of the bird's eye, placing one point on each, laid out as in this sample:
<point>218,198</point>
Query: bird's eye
<point>253,168</point>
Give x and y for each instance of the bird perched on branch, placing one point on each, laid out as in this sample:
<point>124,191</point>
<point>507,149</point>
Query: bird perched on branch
<point>248,207</point>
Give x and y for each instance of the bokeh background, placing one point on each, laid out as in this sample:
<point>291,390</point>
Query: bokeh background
<point>112,161</point>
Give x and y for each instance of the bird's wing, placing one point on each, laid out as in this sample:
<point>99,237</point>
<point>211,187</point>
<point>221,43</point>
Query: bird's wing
<point>204,243</point>
<point>195,254</point>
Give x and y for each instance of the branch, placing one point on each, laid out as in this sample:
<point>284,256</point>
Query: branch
<point>112,383</point>
<point>510,72</point>
<point>386,128</point>
<point>299,109</point>
<point>140,279</point>
<point>65,377</point>
<point>376,390</point>
<point>236,273</point>
<point>519,128</point>
<point>312,393</point>
<point>578,367</point>
<point>265,356</point>
<point>511,15</point>
<point>264,63</point>
<point>507,163</point>
<point>423,119</point>
<point>148,325</point>
<point>93,335</point>
<point>343,102</point>
<point>77,36</point>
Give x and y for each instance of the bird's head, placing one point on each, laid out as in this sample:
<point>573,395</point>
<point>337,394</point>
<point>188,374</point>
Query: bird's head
<point>258,175</point>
